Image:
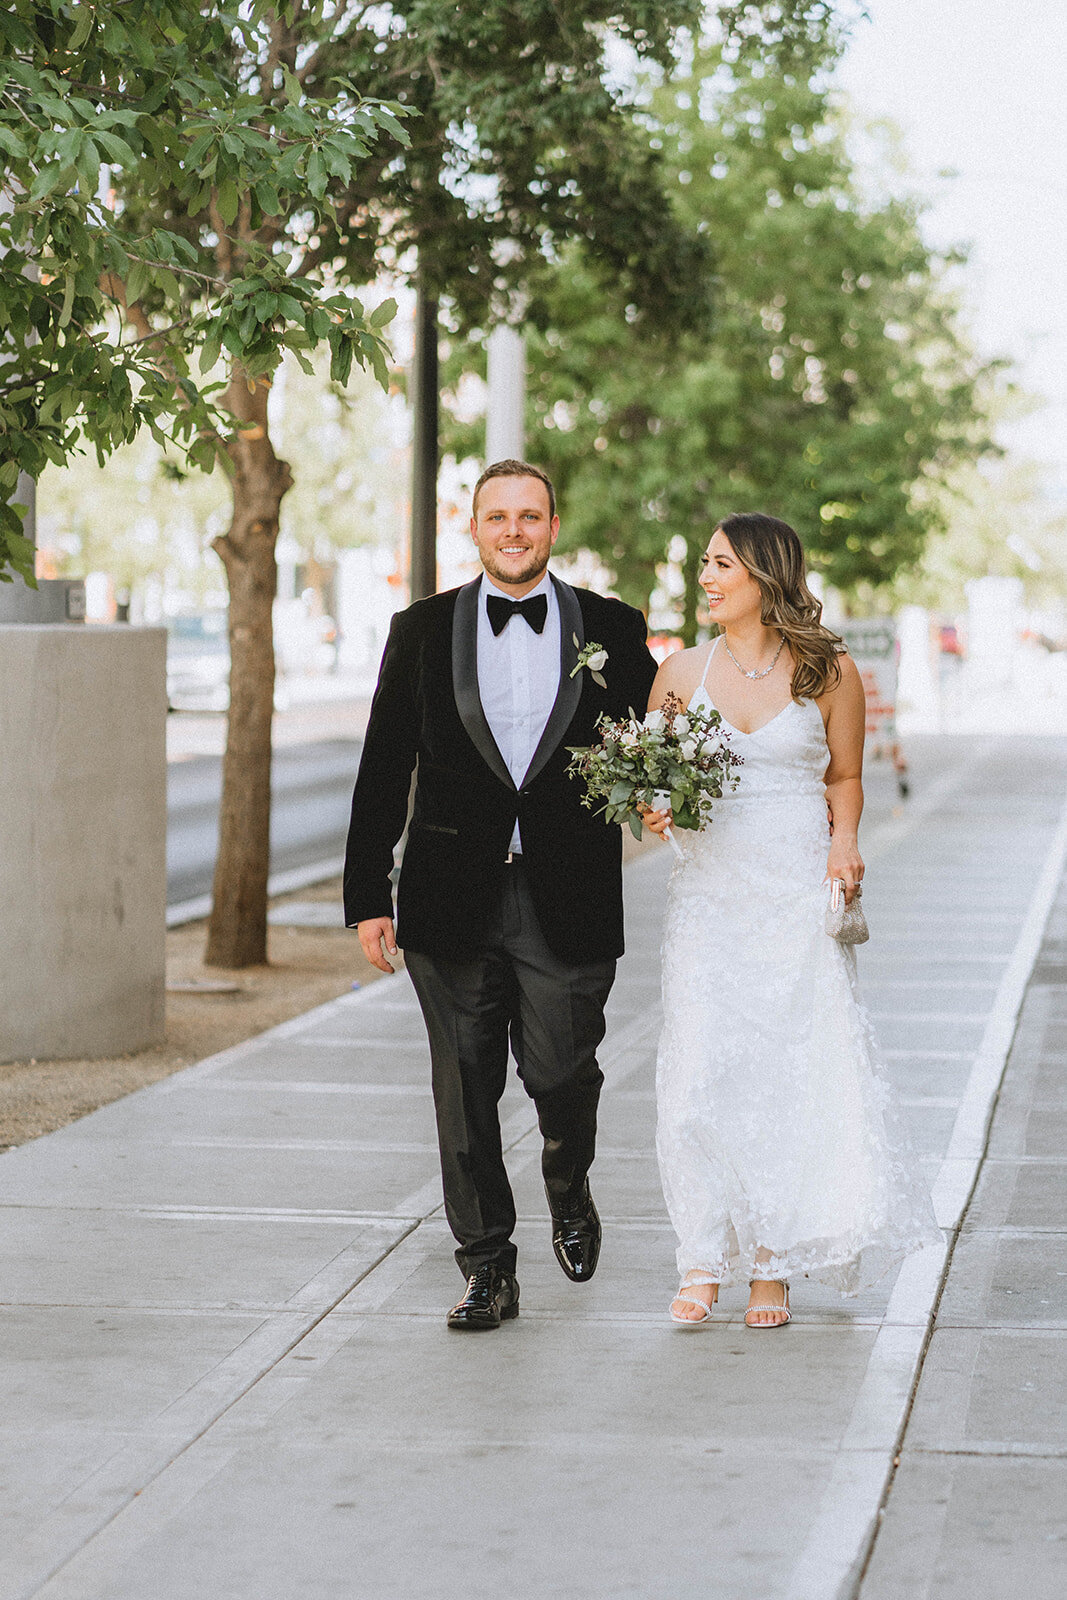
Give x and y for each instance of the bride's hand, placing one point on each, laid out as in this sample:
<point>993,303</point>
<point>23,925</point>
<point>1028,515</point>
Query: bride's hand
<point>656,821</point>
<point>846,863</point>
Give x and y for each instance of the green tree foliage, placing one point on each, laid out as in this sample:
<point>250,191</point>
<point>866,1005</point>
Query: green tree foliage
<point>143,520</point>
<point>525,138</point>
<point>835,387</point>
<point>521,143</point>
<point>194,114</point>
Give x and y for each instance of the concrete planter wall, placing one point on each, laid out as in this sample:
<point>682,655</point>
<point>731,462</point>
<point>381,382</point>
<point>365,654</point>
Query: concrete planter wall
<point>83,829</point>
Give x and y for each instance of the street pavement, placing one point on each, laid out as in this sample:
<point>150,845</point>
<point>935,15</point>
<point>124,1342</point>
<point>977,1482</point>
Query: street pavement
<point>316,744</point>
<point>311,798</point>
<point>223,1357</point>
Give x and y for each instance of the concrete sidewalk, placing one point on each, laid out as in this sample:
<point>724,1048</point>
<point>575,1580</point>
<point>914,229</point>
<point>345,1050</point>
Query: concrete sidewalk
<point>225,1368</point>
<point>977,1507</point>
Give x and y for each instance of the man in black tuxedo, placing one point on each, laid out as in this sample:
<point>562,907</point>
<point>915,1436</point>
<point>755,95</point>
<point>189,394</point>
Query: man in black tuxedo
<point>510,893</point>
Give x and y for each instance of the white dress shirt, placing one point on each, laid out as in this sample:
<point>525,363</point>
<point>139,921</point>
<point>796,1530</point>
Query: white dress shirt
<point>518,680</point>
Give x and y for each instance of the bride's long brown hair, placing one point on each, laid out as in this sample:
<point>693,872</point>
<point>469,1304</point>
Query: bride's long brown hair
<point>770,550</point>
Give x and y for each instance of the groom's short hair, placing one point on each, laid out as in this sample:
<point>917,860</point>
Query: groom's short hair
<point>514,469</point>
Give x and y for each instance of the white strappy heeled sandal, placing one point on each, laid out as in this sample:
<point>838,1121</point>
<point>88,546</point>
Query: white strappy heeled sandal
<point>694,1280</point>
<point>767,1306</point>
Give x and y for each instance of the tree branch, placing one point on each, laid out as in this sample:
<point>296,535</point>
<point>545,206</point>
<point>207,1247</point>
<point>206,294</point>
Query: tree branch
<point>315,62</point>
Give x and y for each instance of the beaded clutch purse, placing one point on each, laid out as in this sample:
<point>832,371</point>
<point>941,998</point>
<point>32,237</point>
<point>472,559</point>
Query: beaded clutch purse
<point>846,924</point>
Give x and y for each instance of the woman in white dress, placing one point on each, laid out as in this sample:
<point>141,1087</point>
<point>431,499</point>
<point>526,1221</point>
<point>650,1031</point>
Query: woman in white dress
<point>776,1133</point>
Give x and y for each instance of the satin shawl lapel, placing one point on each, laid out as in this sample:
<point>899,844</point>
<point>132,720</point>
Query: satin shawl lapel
<point>570,689</point>
<point>465,680</point>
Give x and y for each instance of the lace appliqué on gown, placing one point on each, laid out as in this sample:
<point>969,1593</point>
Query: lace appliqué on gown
<point>780,1148</point>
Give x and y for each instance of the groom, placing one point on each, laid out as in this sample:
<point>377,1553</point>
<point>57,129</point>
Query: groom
<point>510,893</point>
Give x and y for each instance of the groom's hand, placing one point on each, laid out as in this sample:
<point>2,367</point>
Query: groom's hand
<point>371,933</point>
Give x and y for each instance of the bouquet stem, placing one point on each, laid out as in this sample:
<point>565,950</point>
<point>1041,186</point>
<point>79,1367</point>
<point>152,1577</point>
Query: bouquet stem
<point>662,802</point>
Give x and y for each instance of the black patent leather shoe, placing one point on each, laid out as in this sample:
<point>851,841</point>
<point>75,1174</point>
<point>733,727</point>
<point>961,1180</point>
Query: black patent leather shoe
<point>576,1239</point>
<point>492,1297</point>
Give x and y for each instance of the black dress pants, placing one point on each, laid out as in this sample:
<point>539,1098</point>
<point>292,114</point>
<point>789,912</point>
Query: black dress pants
<point>552,1013</point>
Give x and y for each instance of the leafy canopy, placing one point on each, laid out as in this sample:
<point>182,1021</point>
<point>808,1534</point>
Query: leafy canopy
<point>835,388</point>
<point>189,111</point>
<point>205,176</point>
<point>525,138</point>
<point>521,141</point>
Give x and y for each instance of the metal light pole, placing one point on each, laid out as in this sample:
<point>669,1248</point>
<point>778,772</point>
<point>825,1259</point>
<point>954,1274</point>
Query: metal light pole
<point>505,417</point>
<point>424,448</point>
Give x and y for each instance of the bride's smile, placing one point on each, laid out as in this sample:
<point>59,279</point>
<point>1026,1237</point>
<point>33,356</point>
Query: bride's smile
<point>732,593</point>
<point>735,602</point>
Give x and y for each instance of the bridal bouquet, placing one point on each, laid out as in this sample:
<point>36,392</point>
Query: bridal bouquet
<point>675,759</point>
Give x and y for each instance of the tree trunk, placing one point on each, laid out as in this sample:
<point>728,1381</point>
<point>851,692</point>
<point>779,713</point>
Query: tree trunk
<point>237,932</point>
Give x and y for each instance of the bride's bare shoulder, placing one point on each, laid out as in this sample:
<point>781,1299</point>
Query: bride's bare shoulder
<point>679,674</point>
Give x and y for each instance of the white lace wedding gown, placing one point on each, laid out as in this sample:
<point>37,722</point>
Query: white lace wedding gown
<point>778,1142</point>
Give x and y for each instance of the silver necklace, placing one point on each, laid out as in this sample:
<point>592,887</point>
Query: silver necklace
<point>743,670</point>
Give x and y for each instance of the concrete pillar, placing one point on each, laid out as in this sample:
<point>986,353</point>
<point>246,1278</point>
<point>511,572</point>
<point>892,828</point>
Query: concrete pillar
<point>505,420</point>
<point>83,786</point>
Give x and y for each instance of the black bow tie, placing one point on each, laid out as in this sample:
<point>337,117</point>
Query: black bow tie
<point>534,608</point>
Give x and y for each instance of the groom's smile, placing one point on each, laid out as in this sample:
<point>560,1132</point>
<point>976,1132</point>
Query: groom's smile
<point>514,530</point>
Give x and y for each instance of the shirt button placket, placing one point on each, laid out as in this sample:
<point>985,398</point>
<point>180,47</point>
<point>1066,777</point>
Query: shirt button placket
<point>519,704</point>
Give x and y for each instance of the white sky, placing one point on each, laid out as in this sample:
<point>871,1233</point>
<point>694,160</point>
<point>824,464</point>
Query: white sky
<point>980,87</point>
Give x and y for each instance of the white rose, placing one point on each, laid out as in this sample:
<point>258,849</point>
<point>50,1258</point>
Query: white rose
<point>681,727</point>
<point>711,747</point>
<point>654,721</point>
<point>628,740</point>
<point>597,661</point>
<point>688,747</point>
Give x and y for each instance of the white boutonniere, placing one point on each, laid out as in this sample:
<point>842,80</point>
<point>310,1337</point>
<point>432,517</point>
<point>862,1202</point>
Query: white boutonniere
<point>593,656</point>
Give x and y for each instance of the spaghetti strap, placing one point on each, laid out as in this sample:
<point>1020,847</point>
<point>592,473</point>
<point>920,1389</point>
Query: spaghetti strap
<point>707,664</point>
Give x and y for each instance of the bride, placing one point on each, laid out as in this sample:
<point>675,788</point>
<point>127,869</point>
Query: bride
<point>776,1134</point>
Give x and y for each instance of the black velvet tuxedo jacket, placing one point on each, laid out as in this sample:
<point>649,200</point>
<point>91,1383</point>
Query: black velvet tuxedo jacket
<point>427,717</point>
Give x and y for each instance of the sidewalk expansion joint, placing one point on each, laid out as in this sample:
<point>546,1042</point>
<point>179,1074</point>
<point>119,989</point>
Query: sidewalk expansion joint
<point>157,1454</point>
<point>1014,1452</point>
